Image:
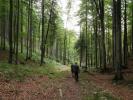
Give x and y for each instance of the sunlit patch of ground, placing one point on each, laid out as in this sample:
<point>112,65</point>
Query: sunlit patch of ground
<point>62,68</point>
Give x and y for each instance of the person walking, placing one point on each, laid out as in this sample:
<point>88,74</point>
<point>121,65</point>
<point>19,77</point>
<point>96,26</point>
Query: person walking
<point>75,71</point>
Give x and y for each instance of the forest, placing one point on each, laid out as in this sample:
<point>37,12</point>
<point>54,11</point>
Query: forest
<point>39,46</point>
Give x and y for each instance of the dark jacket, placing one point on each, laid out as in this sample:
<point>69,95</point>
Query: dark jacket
<point>75,68</point>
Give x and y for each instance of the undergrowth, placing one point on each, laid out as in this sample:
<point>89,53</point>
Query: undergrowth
<point>20,72</point>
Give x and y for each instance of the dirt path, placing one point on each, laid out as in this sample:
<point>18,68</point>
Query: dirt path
<point>43,88</point>
<point>40,88</point>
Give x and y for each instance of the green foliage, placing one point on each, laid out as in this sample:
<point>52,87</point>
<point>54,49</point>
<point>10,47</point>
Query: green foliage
<point>32,34</point>
<point>100,96</point>
<point>20,72</point>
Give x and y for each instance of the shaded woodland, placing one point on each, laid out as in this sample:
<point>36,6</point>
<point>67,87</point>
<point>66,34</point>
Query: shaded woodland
<point>35,29</point>
<point>36,46</point>
<point>106,35</point>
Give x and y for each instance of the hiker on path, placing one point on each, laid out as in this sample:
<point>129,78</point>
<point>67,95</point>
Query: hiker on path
<point>75,71</point>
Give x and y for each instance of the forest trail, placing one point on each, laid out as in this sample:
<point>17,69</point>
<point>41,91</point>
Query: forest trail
<point>40,88</point>
<point>90,87</point>
<point>44,88</point>
<point>54,32</point>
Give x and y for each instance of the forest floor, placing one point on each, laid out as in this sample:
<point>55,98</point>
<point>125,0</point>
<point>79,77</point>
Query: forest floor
<point>50,85</point>
<point>89,87</point>
<point>45,88</point>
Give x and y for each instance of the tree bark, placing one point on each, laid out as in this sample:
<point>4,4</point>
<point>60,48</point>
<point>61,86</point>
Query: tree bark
<point>117,39</point>
<point>42,43</point>
<point>10,32</point>
<point>125,36</point>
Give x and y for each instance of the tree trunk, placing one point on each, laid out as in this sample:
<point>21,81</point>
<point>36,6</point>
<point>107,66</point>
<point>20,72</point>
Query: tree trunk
<point>4,26</point>
<point>30,30</point>
<point>95,33</point>
<point>103,36</point>
<point>125,36</point>
<point>42,43</point>
<point>86,37</point>
<point>132,28</point>
<point>17,33</point>
<point>117,15</point>
<point>21,27</point>
<point>10,32</point>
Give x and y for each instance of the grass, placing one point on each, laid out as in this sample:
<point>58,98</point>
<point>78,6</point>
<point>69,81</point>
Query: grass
<point>30,68</point>
<point>20,72</point>
<point>100,96</point>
